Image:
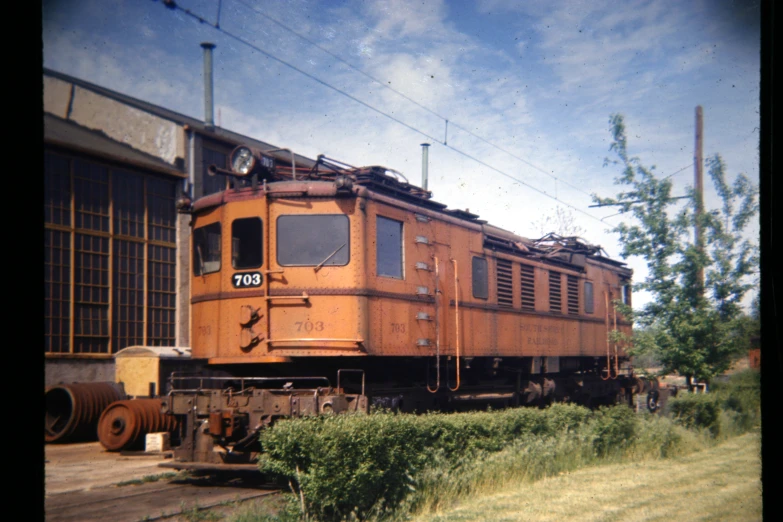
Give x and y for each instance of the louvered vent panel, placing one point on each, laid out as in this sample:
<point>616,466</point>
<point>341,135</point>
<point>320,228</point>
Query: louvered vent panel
<point>555,293</point>
<point>573,295</point>
<point>505,288</point>
<point>528,288</point>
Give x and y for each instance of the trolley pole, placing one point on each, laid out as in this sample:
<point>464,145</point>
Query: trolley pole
<point>698,186</point>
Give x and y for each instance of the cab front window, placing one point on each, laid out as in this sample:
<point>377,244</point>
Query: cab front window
<point>313,240</point>
<point>206,249</point>
<point>246,243</point>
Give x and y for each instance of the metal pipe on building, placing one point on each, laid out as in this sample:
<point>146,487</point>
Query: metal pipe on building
<point>425,147</point>
<point>191,181</point>
<point>208,104</point>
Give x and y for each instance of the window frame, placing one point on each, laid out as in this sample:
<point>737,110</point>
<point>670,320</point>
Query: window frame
<point>219,252</point>
<point>625,291</point>
<point>486,277</point>
<point>347,243</point>
<point>378,217</point>
<point>261,244</point>
<point>589,298</point>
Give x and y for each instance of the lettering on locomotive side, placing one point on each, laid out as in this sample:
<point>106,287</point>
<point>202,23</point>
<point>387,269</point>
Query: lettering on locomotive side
<point>542,329</point>
<point>309,326</point>
<point>398,327</point>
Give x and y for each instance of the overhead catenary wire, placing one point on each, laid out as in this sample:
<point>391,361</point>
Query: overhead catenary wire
<point>171,4</point>
<point>677,171</point>
<point>411,100</point>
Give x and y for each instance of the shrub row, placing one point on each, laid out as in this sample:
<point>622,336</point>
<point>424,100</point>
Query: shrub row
<point>384,465</point>
<point>366,465</point>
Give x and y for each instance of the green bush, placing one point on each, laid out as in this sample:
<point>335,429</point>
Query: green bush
<point>697,411</point>
<point>346,464</point>
<point>740,398</point>
<point>613,429</point>
<point>387,466</point>
<point>360,466</point>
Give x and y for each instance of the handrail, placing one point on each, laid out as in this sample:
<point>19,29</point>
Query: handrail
<point>314,339</point>
<point>293,160</point>
<point>268,272</point>
<point>180,376</point>
<point>349,370</point>
<point>303,296</point>
<point>606,321</point>
<point>456,318</point>
<point>616,357</point>
<point>437,333</point>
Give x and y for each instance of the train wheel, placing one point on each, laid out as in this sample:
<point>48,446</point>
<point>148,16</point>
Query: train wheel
<point>652,401</point>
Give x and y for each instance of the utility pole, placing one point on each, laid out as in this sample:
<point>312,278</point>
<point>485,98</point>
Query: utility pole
<point>698,187</point>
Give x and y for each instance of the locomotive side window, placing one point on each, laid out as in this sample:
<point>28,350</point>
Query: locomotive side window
<point>313,240</point>
<point>388,242</point>
<point>589,307</point>
<point>246,243</point>
<point>627,293</point>
<point>206,249</point>
<point>480,282</point>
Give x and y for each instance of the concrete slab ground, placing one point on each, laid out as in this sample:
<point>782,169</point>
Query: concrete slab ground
<point>84,483</point>
<point>84,466</point>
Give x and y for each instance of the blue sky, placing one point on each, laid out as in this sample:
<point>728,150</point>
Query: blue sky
<point>538,79</point>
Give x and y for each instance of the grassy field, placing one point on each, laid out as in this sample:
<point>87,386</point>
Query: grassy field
<point>719,484</point>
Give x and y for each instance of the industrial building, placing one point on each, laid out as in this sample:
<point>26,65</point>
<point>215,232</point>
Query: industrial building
<point>116,263</point>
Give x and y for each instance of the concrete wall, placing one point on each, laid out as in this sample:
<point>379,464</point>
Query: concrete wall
<point>141,130</point>
<point>65,371</point>
<point>183,280</point>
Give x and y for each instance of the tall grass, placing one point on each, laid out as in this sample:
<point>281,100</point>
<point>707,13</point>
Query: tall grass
<point>386,466</point>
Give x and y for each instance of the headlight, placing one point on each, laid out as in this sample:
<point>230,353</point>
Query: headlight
<point>242,160</point>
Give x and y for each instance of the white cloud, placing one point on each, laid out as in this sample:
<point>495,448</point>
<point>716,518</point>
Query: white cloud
<point>396,19</point>
<point>545,98</point>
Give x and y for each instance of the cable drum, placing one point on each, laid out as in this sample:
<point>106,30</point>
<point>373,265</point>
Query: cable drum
<point>72,410</point>
<point>124,424</point>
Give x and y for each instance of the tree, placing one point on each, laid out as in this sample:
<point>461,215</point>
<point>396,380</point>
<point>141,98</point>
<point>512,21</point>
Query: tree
<point>697,327</point>
<point>561,222</point>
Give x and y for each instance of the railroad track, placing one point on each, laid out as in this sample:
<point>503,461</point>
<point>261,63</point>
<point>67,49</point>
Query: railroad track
<point>154,500</point>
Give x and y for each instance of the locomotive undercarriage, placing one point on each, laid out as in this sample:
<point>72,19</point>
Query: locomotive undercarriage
<point>220,416</point>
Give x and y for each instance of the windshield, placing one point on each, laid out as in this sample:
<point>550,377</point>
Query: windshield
<point>313,240</point>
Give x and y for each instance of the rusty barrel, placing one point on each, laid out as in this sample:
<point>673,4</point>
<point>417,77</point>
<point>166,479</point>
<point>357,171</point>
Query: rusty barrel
<point>73,410</point>
<point>124,424</point>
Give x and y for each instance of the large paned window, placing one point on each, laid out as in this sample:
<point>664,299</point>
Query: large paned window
<point>247,243</point>
<point>388,247</point>
<point>109,250</point>
<point>313,240</point>
<point>480,279</point>
<point>206,249</point>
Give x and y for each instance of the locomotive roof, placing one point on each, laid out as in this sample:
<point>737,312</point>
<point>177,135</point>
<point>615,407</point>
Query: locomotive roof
<point>569,252</point>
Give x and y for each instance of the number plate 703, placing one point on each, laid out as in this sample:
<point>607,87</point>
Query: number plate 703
<point>246,280</point>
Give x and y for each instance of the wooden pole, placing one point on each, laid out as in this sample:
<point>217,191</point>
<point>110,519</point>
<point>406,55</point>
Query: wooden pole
<point>698,186</point>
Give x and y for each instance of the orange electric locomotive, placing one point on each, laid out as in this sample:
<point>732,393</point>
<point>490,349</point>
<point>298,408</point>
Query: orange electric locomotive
<point>341,288</point>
